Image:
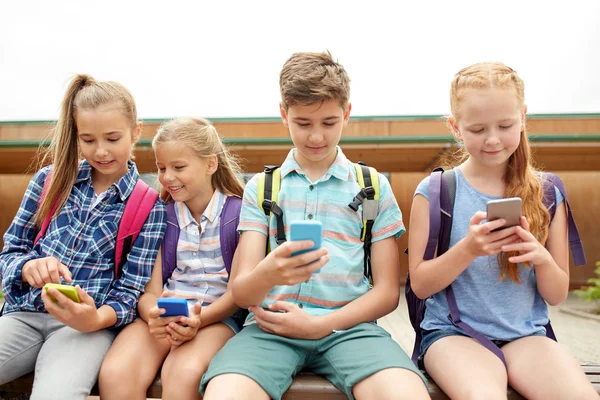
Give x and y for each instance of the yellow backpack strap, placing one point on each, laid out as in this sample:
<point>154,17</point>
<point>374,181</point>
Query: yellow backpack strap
<point>368,197</point>
<point>269,183</point>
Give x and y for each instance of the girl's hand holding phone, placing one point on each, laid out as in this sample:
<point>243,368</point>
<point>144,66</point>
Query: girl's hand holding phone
<point>481,241</point>
<point>185,329</point>
<point>530,249</point>
<point>82,316</point>
<point>176,329</point>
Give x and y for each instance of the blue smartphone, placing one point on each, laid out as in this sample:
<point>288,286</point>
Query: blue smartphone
<point>175,306</point>
<point>306,230</point>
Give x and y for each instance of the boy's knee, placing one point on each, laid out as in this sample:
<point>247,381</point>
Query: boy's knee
<point>233,387</point>
<point>391,383</point>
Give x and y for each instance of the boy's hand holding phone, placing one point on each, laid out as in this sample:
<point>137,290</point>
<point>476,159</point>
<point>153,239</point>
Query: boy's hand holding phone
<point>44,270</point>
<point>295,261</point>
<point>61,302</point>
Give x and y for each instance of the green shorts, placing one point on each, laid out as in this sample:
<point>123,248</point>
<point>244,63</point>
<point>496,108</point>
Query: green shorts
<point>345,358</point>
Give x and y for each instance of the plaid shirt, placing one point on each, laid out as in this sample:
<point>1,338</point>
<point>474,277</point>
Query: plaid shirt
<point>83,238</point>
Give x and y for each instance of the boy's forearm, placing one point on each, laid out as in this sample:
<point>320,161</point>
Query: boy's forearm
<point>251,289</point>
<point>369,307</point>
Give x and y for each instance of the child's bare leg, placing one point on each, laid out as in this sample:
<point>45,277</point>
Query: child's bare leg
<point>391,383</point>
<point>464,369</point>
<point>233,387</point>
<point>540,368</point>
<point>131,363</point>
<point>186,364</point>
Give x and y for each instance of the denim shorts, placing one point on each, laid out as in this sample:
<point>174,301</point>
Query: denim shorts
<point>236,321</point>
<point>430,337</point>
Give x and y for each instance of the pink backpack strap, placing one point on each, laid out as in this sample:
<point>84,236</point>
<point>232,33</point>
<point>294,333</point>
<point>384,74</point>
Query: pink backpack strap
<point>48,218</point>
<point>139,204</point>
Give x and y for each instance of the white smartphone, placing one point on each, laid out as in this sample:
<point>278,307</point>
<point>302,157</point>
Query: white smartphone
<point>507,209</point>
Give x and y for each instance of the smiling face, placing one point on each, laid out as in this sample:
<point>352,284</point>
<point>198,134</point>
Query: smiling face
<point>316,130</point>
<point>489,122</point>
<point>182,173</point>
<point>106,138</point>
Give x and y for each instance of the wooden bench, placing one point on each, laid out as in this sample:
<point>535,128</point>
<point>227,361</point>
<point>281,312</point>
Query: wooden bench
<point>306,386</point>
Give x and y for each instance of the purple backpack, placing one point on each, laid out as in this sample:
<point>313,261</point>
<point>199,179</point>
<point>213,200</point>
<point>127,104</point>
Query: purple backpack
<point>229,236</point>
<point>442,190</point>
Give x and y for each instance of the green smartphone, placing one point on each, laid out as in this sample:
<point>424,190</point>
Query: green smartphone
<point>69,291</point>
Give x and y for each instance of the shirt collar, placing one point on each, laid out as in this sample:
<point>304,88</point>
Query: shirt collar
<point>212,211</point>
<point>340,168</point>
<point>124,186</point>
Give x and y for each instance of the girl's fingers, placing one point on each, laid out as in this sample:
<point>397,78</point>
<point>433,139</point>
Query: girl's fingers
<point>522,258</point>
<point>526,236</point>
<point>176,335</point>
<point>523,246</point>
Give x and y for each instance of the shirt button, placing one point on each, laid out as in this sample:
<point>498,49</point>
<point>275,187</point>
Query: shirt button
<point>105,202</point>
<point>311,187</point>
<point>69,253</point>
<point>301,305</point>
<point>310,216</point>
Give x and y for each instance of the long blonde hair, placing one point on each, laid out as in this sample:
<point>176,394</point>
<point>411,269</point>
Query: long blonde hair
<point>199,135</point>
<point>83,93</point>
<point>522,179</point>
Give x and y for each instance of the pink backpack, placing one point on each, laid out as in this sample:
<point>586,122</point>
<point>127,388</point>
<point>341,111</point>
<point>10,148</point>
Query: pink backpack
<point>137,208</point>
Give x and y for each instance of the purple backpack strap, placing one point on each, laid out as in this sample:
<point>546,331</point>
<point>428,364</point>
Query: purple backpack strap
<point>435,185</point>
<point>169,244</point>
<point>575,244</point>
<point>443,197</point>
<point>228,233</point>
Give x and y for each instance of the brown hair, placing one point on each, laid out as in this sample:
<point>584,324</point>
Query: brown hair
<point>83,93</point>
<point>522,179</point>
<point>202,138</point>
<point>309,78</point>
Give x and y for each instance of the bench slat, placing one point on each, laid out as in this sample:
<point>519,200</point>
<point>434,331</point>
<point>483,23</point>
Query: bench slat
<point>306,386</point>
